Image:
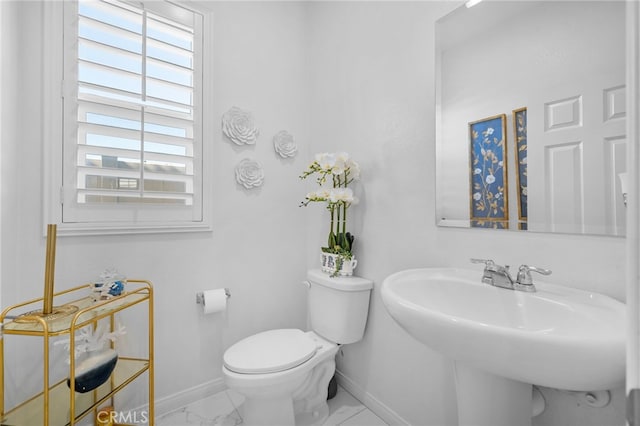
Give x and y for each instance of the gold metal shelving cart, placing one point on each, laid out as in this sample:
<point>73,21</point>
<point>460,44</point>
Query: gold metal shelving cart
<point>58,404</point>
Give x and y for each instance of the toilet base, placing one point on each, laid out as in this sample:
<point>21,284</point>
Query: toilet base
<point>313,418</point>
<point>280,413</point>
<point>267,411</point>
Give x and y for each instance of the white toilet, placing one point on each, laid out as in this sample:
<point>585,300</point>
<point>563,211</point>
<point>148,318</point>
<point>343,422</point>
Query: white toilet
<point>284,374</point>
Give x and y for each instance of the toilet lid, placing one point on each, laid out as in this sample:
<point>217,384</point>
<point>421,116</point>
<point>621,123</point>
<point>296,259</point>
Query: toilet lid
<point>270,351</point>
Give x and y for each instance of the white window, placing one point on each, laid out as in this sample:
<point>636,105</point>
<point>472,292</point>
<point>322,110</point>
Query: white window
<point>133,117</point>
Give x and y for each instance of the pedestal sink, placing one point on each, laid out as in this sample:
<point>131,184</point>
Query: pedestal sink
<point>504,341</point>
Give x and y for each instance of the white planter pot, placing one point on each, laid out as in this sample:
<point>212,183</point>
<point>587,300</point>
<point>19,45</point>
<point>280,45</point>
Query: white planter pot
<point>330,262</point>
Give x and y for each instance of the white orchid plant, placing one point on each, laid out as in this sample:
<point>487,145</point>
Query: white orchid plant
<point>334,172</point>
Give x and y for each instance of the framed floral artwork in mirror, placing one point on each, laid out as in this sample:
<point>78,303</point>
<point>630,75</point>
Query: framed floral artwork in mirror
<point>520,139</point>
<point>488,199</point>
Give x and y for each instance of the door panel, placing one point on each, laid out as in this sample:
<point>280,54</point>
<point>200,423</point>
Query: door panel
<point>576,149</point>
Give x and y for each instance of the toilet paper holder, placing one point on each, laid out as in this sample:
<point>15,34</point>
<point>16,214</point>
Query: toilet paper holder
<point>200,296</point>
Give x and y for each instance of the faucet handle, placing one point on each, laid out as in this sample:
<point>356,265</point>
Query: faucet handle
<point>489,268</point>
<point>489,265</point>
<point>524,274</point>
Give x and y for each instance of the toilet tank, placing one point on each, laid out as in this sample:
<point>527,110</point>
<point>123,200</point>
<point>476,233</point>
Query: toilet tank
<point>338,306</point>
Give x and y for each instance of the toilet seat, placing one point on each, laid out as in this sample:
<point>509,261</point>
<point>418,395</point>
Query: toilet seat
<point>270,352</point>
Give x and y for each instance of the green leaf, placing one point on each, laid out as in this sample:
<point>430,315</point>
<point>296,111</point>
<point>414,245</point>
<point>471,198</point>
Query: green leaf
<point>332,240</point>
<point>345,243</point>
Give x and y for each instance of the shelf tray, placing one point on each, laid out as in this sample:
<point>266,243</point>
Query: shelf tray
<point>31,411</point>
<point>94,310</point>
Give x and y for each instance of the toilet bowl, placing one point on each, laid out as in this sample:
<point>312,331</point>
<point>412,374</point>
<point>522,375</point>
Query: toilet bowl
<point>284,374</point>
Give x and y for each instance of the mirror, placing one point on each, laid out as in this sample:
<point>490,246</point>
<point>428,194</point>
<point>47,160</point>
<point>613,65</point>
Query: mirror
<point>530,116</point>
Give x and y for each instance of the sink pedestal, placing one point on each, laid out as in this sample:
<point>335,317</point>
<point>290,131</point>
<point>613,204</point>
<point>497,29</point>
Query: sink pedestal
<point>485,399</point>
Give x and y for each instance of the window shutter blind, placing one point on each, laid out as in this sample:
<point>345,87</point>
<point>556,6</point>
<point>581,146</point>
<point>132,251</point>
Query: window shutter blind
<point>136,78</point>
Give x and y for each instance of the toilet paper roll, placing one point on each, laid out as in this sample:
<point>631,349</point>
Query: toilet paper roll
<point>214,301</point>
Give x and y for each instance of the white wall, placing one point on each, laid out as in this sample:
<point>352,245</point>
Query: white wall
<point>356,76</point>
<point>8,91</point>
<point>373,94</point>
<point>257,246</point>
<point>3,36</point>
<point>372,81</point>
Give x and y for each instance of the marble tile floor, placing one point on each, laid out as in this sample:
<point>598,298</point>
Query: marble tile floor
<point>221,410</point>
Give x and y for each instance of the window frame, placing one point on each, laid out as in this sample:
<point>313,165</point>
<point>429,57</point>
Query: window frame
<point>54,143</point>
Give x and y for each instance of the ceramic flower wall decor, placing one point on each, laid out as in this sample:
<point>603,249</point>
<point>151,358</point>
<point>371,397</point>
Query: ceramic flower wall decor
<point>249,173</point>
<point>238,126</point>
<point>284,144</point>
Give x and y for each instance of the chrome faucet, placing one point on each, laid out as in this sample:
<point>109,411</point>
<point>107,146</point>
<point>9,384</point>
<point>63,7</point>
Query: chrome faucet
<point>499,276</point>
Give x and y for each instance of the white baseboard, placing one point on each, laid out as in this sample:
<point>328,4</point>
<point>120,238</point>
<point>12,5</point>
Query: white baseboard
<point>371,402</point>
<point>178,400</point>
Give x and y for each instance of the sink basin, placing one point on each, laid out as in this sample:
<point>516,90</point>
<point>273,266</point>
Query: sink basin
<point>557,337</point>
